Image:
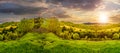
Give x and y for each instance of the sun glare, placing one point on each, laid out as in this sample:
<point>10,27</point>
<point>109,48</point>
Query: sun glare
<point>103,17</point>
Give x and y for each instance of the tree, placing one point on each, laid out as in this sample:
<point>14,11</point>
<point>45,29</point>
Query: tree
<point>63,28</point>
<point>66,33</point>
<point>38,22</point>
<point>82,34</point>
<point>25,25</point>
<point>62,35</point>
<point>1,30</point>
<point>53,25</point>
<point>76,36</point>
<point>1,37</point>
<point>12,36</point>
<point>116,36</point>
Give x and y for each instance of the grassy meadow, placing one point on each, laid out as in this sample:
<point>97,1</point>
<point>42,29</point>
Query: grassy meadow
<point>49,43</point>
<point>40,35</point>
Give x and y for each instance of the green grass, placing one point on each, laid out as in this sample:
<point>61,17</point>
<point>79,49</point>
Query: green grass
<point>50,43</point>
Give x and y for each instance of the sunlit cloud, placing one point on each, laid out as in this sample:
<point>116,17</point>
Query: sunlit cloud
<point>77,11</point>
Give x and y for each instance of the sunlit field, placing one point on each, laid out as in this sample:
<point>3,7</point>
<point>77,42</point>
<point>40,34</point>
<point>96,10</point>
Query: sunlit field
<point>39,35</point>
<point>33,43</point>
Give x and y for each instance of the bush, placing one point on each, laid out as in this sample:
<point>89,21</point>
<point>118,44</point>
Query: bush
<point>26,25</point>
<point>1,37</point>
<point>53,25</point>
<point>116,36</point>
<point>76,36</point>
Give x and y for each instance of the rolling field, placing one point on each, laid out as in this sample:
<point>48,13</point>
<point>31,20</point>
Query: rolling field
<point>41,35</point>
<point>49,43</point>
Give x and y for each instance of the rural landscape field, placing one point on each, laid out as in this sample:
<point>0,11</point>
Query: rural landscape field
<point>39,35</point>
<point>59,26</point>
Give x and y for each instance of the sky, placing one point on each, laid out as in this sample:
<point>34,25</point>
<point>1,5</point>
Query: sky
<point>76,11</point>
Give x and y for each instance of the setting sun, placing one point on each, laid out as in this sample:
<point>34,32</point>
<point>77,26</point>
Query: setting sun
<point>103,17</point>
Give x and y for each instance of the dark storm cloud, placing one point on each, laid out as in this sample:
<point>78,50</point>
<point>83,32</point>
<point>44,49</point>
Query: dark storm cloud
<point>26,7</point>
<point>30,7</point>
<point>19,9</point>
<point>48,8</point>
<point>22,7</point>
<point>82,4</point>
<point>24,0</point>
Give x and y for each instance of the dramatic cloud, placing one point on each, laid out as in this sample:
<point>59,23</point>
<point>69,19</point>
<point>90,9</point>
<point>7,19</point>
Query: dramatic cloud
<point>23,0</point>
<point>55,11</point>
<point>19,9</point>
<point>37,6</point>
<point>31,7</point>
<point>66,10</point>
<point>82,4</point>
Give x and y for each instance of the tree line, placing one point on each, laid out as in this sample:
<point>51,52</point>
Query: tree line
<point>64,30</point>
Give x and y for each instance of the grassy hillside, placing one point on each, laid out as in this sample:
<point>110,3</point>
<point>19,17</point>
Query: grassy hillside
<point>39,35</point>
<point>50,43</point>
